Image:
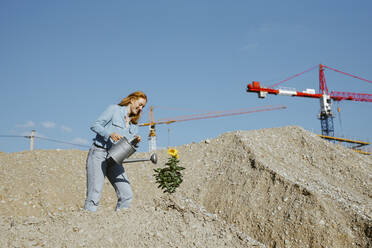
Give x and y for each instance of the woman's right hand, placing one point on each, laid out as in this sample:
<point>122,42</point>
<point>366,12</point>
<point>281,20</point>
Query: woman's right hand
<point>115,137</point>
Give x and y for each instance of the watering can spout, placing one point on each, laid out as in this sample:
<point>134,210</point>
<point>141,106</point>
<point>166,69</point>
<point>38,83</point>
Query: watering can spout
<point>153,159</point>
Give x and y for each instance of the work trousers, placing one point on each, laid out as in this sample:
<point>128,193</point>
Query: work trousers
<point>98,167</point>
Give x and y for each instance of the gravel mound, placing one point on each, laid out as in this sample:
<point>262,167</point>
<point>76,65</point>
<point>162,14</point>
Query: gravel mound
<point>279,187</point>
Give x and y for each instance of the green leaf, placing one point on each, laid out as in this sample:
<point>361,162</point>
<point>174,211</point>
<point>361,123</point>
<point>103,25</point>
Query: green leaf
<point>169,178</point>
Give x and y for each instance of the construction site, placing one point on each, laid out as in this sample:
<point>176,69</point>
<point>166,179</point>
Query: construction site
<point>326,113</point>
<point>324,96</point>
<point>183,124</point>
<point>279,187</point>
<point>272,187</point>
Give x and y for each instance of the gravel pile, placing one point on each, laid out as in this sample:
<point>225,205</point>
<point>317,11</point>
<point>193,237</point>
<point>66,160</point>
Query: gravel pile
<point>279,187</point>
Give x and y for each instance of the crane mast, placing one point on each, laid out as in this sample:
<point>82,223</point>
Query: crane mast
<point>325,115</point>
<point>152,133</point>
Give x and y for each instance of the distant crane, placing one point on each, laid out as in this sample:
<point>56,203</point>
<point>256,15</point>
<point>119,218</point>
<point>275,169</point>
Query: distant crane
<point>325,115</point>
<point>152,124</point>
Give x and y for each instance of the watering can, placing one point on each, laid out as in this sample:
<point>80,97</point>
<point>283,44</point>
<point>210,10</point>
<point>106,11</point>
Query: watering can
<point>123,149</point>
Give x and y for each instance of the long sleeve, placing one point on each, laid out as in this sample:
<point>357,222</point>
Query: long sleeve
<point>99,125</point>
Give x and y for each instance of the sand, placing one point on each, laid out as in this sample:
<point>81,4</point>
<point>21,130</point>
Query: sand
<point>277,187</point>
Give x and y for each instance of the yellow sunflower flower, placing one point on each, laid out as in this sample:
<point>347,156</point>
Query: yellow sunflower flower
<point>173,152</point>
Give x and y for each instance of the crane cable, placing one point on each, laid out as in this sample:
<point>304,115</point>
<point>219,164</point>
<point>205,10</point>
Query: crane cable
<point>13,136</point>
<point>294,76</point>
<point>312,68</point>
<point>348,74</point>
<point>60,141</point>
<point>223,113</point>
<point>43,138</point>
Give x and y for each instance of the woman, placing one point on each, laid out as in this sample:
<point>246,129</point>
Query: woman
<point>116,122</point>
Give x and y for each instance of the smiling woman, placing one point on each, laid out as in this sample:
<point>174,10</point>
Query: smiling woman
<point>135,102</point>
<point>116,122</point>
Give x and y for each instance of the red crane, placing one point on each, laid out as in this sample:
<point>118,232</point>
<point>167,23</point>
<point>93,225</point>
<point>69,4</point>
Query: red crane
<point>325,115</point>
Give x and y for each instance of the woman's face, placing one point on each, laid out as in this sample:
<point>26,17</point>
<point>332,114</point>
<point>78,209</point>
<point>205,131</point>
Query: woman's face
<point>137,106</point>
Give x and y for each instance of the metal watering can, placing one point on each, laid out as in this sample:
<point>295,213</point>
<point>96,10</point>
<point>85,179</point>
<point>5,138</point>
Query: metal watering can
<point>123,149</point>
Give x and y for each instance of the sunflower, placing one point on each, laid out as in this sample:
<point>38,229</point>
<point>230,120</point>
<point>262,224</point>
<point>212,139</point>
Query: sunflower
<point>173,152</point>
<point>170,176</point>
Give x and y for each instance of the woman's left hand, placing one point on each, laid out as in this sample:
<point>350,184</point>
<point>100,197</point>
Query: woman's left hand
<point>137,139</point>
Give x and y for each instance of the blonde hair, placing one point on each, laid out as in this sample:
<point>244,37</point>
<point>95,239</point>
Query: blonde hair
<point>133,97</point>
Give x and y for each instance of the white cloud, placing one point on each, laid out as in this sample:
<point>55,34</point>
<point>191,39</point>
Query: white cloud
<point>263,34</point>
<point>28,124</point>
<point>66,129</point>
<point>250,46</point>
<point>80,141</point>
<point>266,28</point>
<point>48,124</point>
<point>272,29</point>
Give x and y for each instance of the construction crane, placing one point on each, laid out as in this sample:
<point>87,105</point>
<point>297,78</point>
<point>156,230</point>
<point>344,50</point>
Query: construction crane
<point>326,116</point>
<point>152,124</point>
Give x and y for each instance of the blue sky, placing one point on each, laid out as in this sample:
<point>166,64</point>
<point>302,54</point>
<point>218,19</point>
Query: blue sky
<point>63,62</point>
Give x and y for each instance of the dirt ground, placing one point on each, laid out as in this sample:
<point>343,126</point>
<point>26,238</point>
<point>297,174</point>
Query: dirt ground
<point>278,187</point>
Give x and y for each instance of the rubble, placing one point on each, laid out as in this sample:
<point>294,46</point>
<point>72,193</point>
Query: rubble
<point>277,187</point>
